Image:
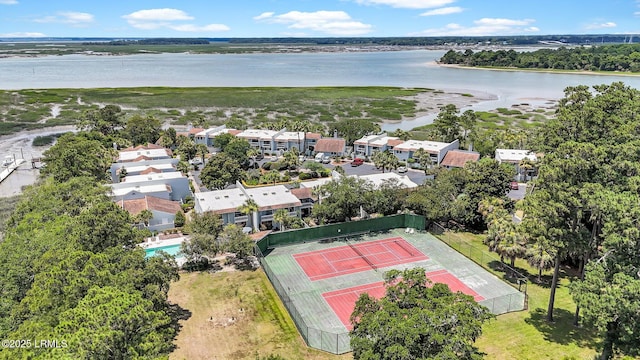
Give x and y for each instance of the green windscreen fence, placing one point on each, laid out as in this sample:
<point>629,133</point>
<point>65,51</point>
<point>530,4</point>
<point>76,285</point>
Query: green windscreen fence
<point>336,231</point>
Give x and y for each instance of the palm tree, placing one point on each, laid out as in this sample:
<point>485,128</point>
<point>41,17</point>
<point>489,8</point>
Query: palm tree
<point>253,153</point>
<point>318,192</point>
<point>183,167</point>
<point>401,134</point>
<point>539,256</point>
<point>202,150</point>
<point>281,216</point>
<point>144,217</point>
<point>385,160</point>
<point>512,245</point>
<point>525,167</point>
<point>272,176</point>
<point>291,158</point>
<point>423,158</point>
<point>250,208</point>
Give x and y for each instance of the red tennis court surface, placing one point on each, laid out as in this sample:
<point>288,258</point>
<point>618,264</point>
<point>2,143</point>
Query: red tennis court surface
<point>344,301</point>
<point>342,260</point>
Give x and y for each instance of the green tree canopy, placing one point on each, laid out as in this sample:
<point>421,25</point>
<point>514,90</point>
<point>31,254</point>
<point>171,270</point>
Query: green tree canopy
<point>221,171</point>
<point>75,155</point>
<point>107,120</point>
<point>353,129</point>
<point>142,130</point>
<point>341,199</point>
<point>416,320</point>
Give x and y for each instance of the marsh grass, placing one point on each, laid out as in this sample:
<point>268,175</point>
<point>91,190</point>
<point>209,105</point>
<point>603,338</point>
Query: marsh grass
<point>212,105</point>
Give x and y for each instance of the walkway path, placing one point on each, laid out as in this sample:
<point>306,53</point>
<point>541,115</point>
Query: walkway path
<point>6,172</point>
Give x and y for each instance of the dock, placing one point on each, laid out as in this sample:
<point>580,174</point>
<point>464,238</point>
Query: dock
<point>10,169</point>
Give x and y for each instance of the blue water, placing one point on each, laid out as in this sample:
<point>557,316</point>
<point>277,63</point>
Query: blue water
<point>169,249</point>
<point>394,68</point>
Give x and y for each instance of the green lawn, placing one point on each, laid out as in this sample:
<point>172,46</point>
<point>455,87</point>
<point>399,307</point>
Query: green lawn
<point>527,334</point>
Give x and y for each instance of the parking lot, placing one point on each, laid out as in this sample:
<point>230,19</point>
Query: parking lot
<point>417,176</point>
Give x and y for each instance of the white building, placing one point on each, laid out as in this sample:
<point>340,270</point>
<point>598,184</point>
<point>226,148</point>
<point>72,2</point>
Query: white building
<point>207,136</point>
<point>268,198</point>
<point>370,144</point>
<point>178,184</point>
<point>143,167</point>
<point>259,138</point>
<point>437,150</point>
<point>139,191</point>
<point>285,140</point>
<point>143,153</point>
<point>163,211</point>
<point>379,179</point>
<point>514,157</point>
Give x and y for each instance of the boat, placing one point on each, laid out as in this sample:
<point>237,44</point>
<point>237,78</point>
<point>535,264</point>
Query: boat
<point>8,160</point>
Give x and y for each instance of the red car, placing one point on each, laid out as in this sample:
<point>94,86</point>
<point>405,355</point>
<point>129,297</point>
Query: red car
<point>514,185</point>
<point>357,162</point>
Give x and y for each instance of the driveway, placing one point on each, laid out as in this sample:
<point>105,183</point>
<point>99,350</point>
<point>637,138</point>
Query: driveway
<point>417,176</point>
<point>518,194</point>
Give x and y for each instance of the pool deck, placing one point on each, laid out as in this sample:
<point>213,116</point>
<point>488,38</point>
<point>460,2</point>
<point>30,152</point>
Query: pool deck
<point>162,241</point>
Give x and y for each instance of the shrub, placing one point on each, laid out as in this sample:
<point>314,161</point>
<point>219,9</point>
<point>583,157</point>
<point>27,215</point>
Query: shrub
<point>305,176</point>
<point>266,166</point>
<point>179,220</point>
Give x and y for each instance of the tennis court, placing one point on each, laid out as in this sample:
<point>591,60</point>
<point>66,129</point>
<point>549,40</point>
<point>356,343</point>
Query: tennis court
<point>351,258</point>
<point>342,302</point>
<point>320,281</point>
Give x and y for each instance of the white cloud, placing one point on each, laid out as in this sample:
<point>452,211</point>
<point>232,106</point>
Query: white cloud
<point>637,13</point>
<point>328,22</point>
<point>8,2</point>
<point>605,25</point>
<point>151,19</point>
<point>68,17</point>
<point>443,11</point>
<point>155,18</point>
<point>22,35</point>
<point>408,4</point>
<point>264,15</point>
<point>483,27</point>
<point>502,22</point>
<point>195,28</point>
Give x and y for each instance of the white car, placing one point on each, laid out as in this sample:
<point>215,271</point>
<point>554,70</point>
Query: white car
<point>195,161</point>
<point>402,169</point>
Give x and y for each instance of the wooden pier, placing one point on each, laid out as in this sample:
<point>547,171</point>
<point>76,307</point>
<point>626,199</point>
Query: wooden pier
<point>9,169</point>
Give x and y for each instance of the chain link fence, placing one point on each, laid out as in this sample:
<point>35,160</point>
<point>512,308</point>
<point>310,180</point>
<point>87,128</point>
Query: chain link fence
<point>332,342</point>
<point>491,262</point>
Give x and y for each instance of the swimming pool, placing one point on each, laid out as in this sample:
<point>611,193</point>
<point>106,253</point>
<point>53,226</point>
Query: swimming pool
<point>169,249</point>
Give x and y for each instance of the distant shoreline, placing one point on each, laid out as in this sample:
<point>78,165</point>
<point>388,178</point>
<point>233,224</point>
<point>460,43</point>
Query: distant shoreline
<point>549,71</point>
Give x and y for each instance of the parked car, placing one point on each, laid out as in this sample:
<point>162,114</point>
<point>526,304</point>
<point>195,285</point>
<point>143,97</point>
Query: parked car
<point>195,161</point>
<point>319,157</point>
<point>326,159</point>
<point>301,158</point>
<point>357,162</point>
<point>259,157</point>
<point>514,185</point>
<point>274,158</point>
<point>402,169</point>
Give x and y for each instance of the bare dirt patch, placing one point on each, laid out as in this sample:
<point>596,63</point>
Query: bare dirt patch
<point>235,315</point>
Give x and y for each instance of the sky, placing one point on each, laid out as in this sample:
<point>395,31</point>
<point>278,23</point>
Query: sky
<point>315,18</point>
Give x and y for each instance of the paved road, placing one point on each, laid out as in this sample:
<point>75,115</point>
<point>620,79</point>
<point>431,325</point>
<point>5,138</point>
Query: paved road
<point>417,176</point>
<point>518,194</point>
